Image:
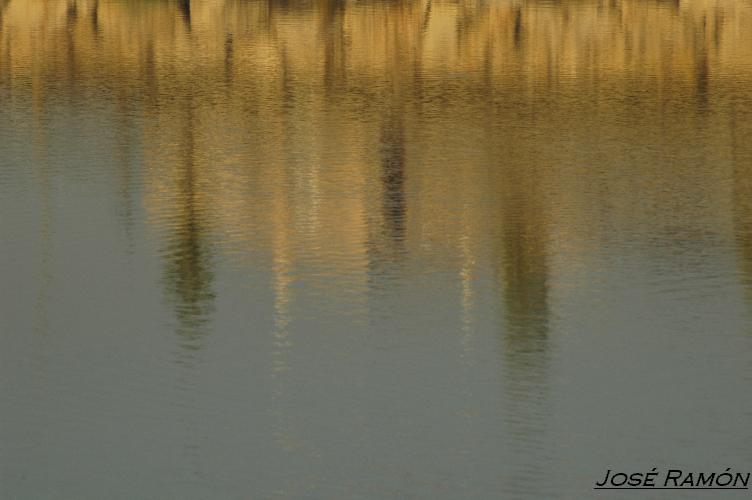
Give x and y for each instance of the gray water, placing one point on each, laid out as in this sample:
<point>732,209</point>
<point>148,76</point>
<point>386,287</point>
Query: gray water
<point>369,249</point>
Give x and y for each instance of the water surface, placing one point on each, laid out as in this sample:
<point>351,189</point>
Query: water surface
<point>372,249</point>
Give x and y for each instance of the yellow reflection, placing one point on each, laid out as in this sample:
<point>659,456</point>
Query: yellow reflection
<point>338,43</point>
<point>363,118</point>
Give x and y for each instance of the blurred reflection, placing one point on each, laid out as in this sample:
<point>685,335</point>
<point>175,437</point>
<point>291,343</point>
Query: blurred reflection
<point>72,12</point>
<point>385,164</point>
<point>184,6</point>
<point>188,274</point>
<point>3,5</point>
<point>524,268</point>
<point>333,32</point>
<point>523,279</point>
<point>229,59</point>
<point>393,182</point>
<point>384,73</point>
<point>95,17</point>
<point>334,41</point>
<point>702,78</point>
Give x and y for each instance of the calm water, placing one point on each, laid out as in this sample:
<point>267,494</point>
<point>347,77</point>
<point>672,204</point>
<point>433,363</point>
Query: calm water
<point>372,249</point>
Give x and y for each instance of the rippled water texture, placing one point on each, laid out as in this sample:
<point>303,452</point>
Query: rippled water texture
<point>372,249</point>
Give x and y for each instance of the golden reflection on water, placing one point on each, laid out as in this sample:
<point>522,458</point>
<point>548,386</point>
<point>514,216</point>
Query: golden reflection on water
<point>346,44</point>
<point>337,114</point>
<point>353,148</point>
<point>338,138</point>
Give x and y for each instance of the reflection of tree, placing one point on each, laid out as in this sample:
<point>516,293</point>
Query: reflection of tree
<point>393,180</point>
<point>525,272</point>
<point>3,5</point>
<point>702,70</point>
<point>386,238</point>
<point>71,51</point>
<point>187,279</point>
<point>188,274</point>
<point>229,57</point>
<point>71,12</point>
<point>95,18</point>
<point>184,6</point>
<point>522,250</point>
<point>525,295</point>
<point>517,27</point>
<point>524,286</point>
<point>333,31</point>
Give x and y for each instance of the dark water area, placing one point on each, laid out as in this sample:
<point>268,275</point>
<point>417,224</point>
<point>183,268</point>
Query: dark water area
<point>372,249</point>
